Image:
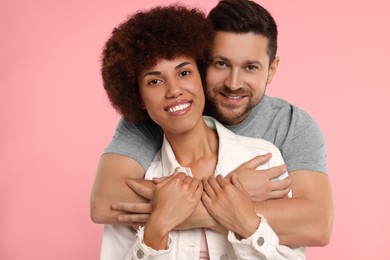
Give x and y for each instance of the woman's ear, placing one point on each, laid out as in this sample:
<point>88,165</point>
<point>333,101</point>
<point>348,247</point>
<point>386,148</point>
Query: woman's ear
<point>143,105</point>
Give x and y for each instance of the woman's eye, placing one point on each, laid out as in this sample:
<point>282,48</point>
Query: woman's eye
<point>185,73</point>
<point>154,81</point>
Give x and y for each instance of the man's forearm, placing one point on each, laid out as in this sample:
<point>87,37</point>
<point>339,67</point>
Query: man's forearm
<point>110,186</point>
<point>305,219</point>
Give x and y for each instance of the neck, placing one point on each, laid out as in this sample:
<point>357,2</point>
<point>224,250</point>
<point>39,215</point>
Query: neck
<point>198,144</point>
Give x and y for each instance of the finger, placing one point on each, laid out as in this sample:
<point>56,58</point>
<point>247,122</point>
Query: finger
<point>236,182</point>
<point>188,180</point>
<point>176,176</point>
<point>208,189</point>
<point>257,161</point>
<point>279,194</point>
<point>206,200</point>
<point>158,179</point>
<point>198,189</point>
<point>275,172</point>
<point>181,176</point>
<point>133,218</point>
<point>133,207</point>
<point>194,185</point>
<point>214,184</point>
<point>281,184</point>
<point>221,181</point>
<point>140,189</point>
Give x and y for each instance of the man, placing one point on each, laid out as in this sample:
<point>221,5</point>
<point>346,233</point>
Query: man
<point>243,63</point>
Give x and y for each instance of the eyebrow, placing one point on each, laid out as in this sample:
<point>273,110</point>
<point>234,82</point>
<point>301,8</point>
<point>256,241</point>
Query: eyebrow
<point>156,72</point>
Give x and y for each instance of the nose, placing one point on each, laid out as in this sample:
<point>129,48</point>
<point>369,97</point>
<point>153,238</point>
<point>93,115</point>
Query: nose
<point>174,89</point>
<point>233,81</point>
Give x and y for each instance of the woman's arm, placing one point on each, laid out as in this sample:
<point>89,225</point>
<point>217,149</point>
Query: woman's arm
<point>250,235</point>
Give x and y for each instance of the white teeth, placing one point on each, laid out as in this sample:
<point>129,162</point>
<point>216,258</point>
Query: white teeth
<point>178,107</point>
<point>234,97</point>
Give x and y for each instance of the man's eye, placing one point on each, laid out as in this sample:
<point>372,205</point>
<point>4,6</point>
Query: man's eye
<point>251,67</point>
<point>220,64</point>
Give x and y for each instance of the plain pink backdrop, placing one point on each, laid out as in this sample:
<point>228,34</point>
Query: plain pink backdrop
<point>56,120</point>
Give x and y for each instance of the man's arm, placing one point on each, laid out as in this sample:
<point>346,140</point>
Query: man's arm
<point>110,186</point>
<point>258,183</point>
<point>305,219</point>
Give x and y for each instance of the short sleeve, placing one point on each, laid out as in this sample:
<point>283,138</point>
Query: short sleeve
<point>139,141</point>
<point>304,147</point>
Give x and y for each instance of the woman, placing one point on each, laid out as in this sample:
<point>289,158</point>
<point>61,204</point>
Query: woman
<point>153,66</point>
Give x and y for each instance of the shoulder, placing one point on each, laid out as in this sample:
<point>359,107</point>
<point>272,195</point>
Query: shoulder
<point>286,116</point>
<point>144,128</point>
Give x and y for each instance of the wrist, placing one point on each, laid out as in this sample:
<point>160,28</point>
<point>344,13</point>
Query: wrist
<point>248,229</point>
<point>156,234</point>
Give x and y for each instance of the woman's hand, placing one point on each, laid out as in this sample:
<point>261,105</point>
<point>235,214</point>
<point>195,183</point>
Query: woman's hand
<point>174,200</point>
<point>230,205</point>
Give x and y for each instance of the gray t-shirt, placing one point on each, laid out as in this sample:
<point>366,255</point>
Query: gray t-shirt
<point>292,130</point>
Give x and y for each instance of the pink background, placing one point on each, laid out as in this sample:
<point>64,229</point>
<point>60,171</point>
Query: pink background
<point>56,120</point>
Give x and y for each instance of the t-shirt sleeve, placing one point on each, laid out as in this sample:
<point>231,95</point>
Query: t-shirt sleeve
<point>304,147</point>
<point>139,141</point>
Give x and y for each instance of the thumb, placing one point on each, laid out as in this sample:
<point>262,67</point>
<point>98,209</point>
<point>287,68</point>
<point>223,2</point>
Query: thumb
<point>158,179</point>
<point>236,182</point>
<point>257,161</point>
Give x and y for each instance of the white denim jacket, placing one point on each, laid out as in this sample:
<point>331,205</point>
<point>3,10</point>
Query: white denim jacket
<point>122,243</point>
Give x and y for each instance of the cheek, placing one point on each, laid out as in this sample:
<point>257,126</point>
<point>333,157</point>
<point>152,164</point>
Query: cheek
<point>149,100</point>
<point>258,86</point>
<point>213,78</point>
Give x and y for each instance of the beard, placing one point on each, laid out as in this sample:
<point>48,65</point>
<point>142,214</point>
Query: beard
<point>227,115</point>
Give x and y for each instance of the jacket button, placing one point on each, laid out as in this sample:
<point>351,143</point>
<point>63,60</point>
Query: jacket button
<point>224,257</point>
<point>140,254</point>
<point>260,241</point>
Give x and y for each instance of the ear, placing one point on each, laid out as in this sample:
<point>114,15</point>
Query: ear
<point>272,69</point>
<point>142,105</point>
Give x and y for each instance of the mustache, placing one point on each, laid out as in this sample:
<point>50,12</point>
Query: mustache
<point>227,91</point>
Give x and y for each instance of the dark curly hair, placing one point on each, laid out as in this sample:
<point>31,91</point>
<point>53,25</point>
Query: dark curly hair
<point>139,42</point>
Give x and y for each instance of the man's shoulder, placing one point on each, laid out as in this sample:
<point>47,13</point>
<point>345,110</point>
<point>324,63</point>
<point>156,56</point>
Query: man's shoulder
<point>126,127</point>
<point>277,109</point>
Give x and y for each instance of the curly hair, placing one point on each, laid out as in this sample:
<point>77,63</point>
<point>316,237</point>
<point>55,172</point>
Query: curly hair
<point>139,42</point>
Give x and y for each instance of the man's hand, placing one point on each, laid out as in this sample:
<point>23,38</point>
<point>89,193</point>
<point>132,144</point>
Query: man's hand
<point>137,212</point>
<point>259,183</point>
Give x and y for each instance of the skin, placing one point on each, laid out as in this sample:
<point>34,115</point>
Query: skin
<point>238,75</point>
<point>172,94</point>
<point>237,78</point>
<point>230,204</point>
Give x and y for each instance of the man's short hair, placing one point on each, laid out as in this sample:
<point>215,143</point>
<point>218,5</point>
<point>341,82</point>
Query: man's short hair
<point>244,16</point>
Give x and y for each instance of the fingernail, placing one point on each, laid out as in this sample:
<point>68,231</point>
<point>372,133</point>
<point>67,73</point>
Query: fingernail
<point>114,206</point>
